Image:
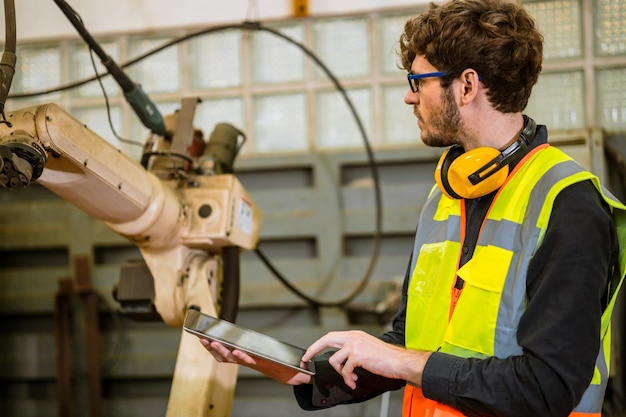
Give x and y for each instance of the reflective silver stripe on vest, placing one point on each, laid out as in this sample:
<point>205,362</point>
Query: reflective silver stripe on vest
<point>444,230</point>
<point>592,399</point>
<point>522,240</point>
<point>513,300</point>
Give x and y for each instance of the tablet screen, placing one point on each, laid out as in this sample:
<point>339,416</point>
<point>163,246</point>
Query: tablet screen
<point>254,343</point>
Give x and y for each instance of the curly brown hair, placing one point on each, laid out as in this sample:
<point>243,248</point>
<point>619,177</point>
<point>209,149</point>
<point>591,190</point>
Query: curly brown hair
<point>497,38</point>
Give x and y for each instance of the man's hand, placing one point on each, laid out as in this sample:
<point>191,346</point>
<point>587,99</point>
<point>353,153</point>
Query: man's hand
<point>270,369</point>
<point>358,349</point>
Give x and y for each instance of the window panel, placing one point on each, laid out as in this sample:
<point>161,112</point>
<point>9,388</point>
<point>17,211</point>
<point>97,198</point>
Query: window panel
<point>558,100</point>
<point>211,112</point>
<point>280,123</point>
<point>391,27</point>
<point>214,60</point>
<point>610,27</point>
<point>81,67</point>
<point>159,72</point>
<point>97,120</point>
<point>398,119</point>
<point>336,125</point>
<point>611,92</point>
<point>277,60</point>
<point>15,104</point>
<point>560,23</point>
<point>38,68</point>
<point>285,122</point>
<point>344,46</point>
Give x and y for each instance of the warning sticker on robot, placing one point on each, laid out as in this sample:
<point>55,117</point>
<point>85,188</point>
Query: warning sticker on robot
<point>244,216</point>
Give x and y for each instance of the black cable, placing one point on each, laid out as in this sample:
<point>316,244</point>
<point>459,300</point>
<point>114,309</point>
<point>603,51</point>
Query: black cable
<point>108,106</point>
<point>11,28</point>
<point>143,107</point>
<point>137,59</point>
<point>99,78</point>
<point>371,161</point>
<point>228,298</point>
<point>9,59</point>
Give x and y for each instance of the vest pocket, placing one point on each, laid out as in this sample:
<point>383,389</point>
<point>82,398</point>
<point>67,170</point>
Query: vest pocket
<point>429,295</point>
<point>473,324</point>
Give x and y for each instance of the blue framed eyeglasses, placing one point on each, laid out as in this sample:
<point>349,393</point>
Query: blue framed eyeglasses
<point>413,78</point>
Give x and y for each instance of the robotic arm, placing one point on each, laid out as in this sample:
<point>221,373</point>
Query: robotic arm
<point>184,220</point>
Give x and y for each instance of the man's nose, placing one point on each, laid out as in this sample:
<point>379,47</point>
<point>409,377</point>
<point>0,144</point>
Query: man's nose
<point>410,97</point>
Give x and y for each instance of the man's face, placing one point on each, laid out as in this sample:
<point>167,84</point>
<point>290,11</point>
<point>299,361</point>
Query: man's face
<point>437,113</point>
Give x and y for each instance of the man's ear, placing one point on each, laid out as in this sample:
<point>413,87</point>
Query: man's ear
<point>470,84</point>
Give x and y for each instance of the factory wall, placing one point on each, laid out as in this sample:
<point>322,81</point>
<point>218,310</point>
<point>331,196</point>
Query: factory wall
<point>314,186</point>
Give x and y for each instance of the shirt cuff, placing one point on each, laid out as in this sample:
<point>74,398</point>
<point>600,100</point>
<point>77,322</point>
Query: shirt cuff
<point>438,377</point>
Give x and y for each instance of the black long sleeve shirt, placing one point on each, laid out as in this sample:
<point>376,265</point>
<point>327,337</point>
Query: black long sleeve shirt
<point>559,332</point>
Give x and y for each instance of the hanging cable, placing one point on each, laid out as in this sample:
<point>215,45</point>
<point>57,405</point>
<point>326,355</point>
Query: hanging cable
<point>108,105</point>
<point>9,59</point>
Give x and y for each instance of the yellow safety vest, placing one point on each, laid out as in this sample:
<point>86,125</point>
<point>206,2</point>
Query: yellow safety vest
<point>484,323</point>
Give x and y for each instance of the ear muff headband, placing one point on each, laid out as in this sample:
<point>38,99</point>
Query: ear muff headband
<point>482,170</point>
<point>509,154</point>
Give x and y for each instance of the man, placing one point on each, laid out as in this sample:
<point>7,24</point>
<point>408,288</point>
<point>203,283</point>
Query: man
<point>516,263</point>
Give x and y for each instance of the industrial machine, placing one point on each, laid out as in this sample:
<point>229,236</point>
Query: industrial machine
<point>188,221</point>
<point>181,205</point>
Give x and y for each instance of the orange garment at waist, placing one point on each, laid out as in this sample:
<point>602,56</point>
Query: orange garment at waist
<point>416,405</point>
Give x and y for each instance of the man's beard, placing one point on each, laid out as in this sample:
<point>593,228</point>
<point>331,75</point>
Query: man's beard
<point>445,127</point>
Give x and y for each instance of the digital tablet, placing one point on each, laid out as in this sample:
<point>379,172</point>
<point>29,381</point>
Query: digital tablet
<point>249,341</point>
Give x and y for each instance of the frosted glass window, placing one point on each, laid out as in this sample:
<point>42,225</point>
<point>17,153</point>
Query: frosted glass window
<point>610,30</point>
<point>211,112</point>
<point>280,123</point>
<point>611,91</point>
<point>214,60</point>
<point>159,72</point>
<point>560,23</point>
<point>557,100</point>
<point>96,119</point>
<point>276,60</point>
<point>38,68</point>
<point>391,29</point>
<point>82,68</point>
<point>336,126</point>
<point>343,45</point>
<point>15,104</point>
<point>282,99</point>
<point>400,125</point>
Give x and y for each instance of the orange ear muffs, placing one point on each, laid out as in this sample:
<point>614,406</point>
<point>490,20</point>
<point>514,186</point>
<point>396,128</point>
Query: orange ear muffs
<point>456,169</point>
<point>443,166</point>
<point>480,171</point>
